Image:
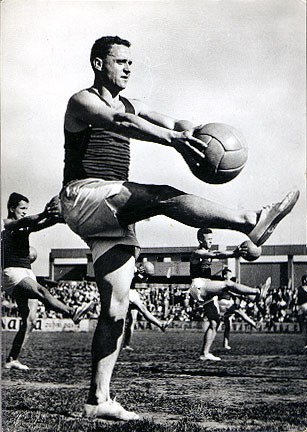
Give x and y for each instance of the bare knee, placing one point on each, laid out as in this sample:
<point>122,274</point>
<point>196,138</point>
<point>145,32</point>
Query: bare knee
<point>42,291</point>
<point>153,193</point>
<point>28,324</point>
<point>146,201</point>
<point>31,324</point>
<point>229,284</point>
<point>114,301</point>
<point>165,192</point>
<point>213,325</point>
<point>118,307</point>
<point>114,272</point>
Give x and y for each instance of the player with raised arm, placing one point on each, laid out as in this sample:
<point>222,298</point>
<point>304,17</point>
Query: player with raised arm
<point>207,291</point>
<point>19,280</point>
<point>102,206</point>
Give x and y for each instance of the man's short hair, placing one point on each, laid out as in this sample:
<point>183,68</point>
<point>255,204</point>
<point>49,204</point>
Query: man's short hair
<point>203,231</point>
<point>14,200</point>
<point>102,46</point>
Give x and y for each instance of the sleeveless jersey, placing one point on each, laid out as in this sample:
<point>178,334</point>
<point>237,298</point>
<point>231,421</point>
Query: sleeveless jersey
<point>201,269</point>
<point>302,295</point>
<point>139,278</point>
<point>15,248</point>
<point>97,152</point>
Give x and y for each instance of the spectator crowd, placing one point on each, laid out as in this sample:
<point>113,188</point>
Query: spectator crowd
<point>164,302</point>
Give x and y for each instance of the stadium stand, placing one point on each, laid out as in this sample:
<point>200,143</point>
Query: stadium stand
<point>164,301</point>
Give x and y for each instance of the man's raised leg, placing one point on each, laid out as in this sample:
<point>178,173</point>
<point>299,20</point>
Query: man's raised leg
<point>137,202</point>
<point>33,290</point>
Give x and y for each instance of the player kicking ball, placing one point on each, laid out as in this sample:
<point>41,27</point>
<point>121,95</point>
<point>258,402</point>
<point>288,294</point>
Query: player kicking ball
<point>101,205</point>
<point>206,291</point>
<point>136,305</point>
<point>19,281</point>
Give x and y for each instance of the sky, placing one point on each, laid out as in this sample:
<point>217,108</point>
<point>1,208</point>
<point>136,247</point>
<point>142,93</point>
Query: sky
<point>240,62</point>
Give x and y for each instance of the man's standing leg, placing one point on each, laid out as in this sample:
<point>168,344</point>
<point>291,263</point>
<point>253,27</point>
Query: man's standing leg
<point>28,311</point>
<point>227,326</point>
<point>114,272</point>
<point>210,330</point>
<point>130,325</point>
<point>209,337</point>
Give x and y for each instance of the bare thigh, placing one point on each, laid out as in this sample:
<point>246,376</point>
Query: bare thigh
<point>28,288</point>
<point>114,272</point>
<point>134,314</point>
<point>137,202</point>
<point>208,288</point>
<point>27,306</point>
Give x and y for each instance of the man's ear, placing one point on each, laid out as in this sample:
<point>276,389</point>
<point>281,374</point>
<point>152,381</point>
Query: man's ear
<point>98,63</point>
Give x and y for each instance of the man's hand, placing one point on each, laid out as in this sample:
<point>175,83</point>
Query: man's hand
<point>193,151</point>
<point>53,208</point>
<point>241,251</point>
<point>189,146</point>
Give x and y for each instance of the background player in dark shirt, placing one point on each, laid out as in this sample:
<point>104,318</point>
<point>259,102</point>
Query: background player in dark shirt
<point>207,291</point>
<point>19,280</point>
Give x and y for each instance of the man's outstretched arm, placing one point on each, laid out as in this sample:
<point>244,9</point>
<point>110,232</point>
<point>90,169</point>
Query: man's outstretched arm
<point>25,222</point>
<point>35,222</point>
<point>86,109</point>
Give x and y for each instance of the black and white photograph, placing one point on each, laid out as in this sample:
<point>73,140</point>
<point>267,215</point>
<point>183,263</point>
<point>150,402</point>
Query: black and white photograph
<point>153,216</point>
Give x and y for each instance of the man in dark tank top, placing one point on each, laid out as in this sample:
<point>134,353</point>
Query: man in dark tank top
<point>207,291</point>
<point>18,279</point>
<point>101,205</point>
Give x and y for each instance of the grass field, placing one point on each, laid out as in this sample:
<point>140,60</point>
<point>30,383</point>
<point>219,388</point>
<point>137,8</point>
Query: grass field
<point>259,386</point>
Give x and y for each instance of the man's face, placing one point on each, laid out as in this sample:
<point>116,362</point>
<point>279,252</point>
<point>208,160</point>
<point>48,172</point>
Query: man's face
<point>21,210</point>
<point>117,66</point>
<point>206,240</point>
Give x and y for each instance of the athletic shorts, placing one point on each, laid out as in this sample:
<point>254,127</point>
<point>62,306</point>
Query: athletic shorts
<point>199,289</point>
<point>88,212</point>
<point>133,296</point>
<point>225,305</point>
<point>13,275</point>
<point>231,311</point>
